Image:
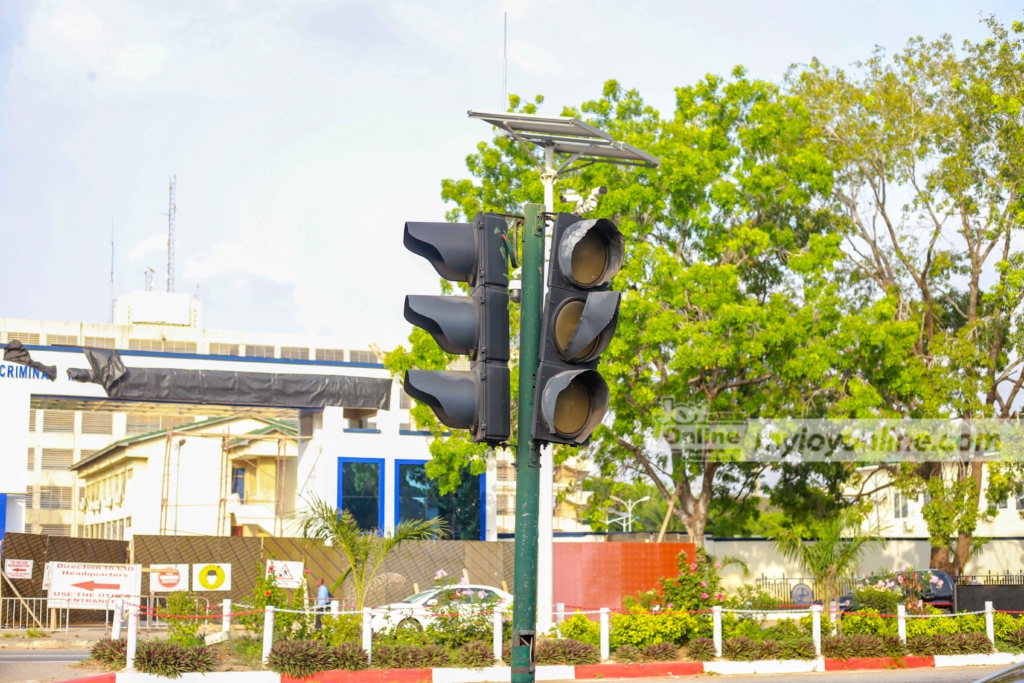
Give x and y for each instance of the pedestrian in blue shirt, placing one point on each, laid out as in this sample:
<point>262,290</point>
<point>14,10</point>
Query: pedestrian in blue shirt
<point>323,602</point>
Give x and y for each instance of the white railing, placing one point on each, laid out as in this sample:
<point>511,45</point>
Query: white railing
<point>25,613</point>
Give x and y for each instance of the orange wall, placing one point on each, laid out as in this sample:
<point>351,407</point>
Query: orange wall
<point>596,575</point>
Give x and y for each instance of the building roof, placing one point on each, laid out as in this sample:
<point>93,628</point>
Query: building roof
<point>131,440</point>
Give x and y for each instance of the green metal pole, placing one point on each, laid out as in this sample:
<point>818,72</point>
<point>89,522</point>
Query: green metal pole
<point>524,613</point>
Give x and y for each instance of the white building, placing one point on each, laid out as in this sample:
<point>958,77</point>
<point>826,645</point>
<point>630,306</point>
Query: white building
<point>365,460</point>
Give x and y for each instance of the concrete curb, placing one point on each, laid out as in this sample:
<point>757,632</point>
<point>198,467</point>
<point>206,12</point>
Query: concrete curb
<point>772,666</point>
<point>1004,658</point>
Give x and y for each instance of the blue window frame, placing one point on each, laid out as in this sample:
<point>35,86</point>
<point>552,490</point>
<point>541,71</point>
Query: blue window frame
<point>417,497</point>
<point>238,482</point>
<point>361,490</point>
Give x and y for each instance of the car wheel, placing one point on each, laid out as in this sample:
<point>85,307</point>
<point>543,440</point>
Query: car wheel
<point>409,625</point>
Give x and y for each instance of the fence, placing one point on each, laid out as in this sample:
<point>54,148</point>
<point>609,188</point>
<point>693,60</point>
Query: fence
<point>990,580</point>
<point>25,613</point>
<point>782,588</point>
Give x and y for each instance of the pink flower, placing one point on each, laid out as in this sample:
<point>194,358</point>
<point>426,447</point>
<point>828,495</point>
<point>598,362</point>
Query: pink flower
<point>703,584</point>
<point>306,572</point>
<point>693,567</point>
<point>703,596</point>
<point>266,594</point>
<point>440,574</point>
<point>462,581</point>
<point>481,595</point>
<point>720,597</point>
<point>717,566</point>
<point>670,605</point>
<point>939,584</point>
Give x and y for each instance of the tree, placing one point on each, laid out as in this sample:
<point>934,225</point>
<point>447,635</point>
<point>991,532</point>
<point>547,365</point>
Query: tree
<point>364,549</point>
<point>836,552</point>
<point>928,152</point>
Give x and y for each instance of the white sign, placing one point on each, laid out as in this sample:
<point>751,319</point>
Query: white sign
<point>168,577</point>
<point>18,569</point>
<point>47,572</point>
<point>92,586</point>
<point>287,574</point>
<point>211,577</point>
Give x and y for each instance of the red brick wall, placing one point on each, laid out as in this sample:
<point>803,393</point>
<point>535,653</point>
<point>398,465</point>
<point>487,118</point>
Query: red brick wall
<point>593,575</point>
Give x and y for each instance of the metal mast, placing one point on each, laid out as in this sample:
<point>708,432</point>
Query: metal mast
<point>171,208</point>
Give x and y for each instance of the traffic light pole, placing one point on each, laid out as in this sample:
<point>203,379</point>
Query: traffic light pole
<point>524,613</point>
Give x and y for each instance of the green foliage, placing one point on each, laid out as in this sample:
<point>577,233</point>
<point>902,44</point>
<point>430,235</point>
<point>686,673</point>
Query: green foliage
<point>287,625</point>
<point>740,649</point>
<point>300,658</point>
<point>365,550</point>
<point>628,654</point>
<point>877,598</point>
<point>474,655</point>
<point>1013,638</point>
<point>350,657</point>
<point>170,660</point>
<point>249,650</point>
<point>408,656</point>
<point>343,628</point>
<point>566,651</point>
<point>107,651</point>
<point>579,627</point>
<point>659,652</point>
<point>697,586</point>
<point>182,631</point>
<point>701,650</point>
<point>753,597</point>
<point>640,628</point>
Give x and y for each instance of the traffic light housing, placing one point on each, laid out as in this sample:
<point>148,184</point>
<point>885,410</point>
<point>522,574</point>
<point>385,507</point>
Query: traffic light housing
<point>476,326</point>
<point>580,316</point>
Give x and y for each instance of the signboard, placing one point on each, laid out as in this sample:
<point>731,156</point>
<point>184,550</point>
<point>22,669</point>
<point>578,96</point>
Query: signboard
<point>18,569</point>
<point>287,574</point>
<point>168,577</point>
<point>47,572</point>
<point>211,577</point>
<point>801,594</point>
<point>92,586</point>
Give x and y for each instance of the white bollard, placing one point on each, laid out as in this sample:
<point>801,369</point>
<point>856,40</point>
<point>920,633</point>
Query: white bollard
<point>716,620</point>
<point>367,633</point>
<point>560,611</point>
<point>605,640</point>
<point>497,618</point>
<point>268,631</point>
<point>115,629</point>
<point>990,623</point>
<point>335,608</point>
<point>816,628</point>
<point>901,622</point>
<point>225,616</point>
<point>133,638</point>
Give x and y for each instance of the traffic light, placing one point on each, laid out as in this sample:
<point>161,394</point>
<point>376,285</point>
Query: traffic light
<point>580,316</point>
<point>475,326</point>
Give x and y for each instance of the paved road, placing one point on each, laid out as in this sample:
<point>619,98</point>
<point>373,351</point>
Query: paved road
<point>40,665</point>
<point>952,675</point>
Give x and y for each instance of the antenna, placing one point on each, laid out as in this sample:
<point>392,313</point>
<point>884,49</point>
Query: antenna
<point>171,210</point>
<point>111,271</point>
<point>504,69</point>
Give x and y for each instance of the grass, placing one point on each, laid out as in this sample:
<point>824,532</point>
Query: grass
<point>35,633</point>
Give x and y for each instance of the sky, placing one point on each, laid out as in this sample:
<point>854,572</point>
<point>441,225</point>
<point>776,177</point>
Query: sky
<point>303,135</point>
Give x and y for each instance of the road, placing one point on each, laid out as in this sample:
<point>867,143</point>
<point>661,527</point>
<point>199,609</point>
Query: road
<point>952,675</point>
<point>40,665</point>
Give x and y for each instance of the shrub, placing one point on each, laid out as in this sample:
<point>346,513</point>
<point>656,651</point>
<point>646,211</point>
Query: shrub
<point>868,622</point>
<point>646,628</point>
<point>397,656</point>
<point>785,629</point>
<point>659,652</point>
<point>578,627</point>
<point>962,643</point>
<point>629,654</point>
<point>110,651</point>
<point>300,658</point>
<point>857,645</point>
<point>344,628</point>
<point>798,648</point>
<point>170,660</point>
<point>740,649</point>
<point>753,597</point>
<point>351,657</point>
<point>892,646</point>
<point>249,649</point>
<point>182,631</point>
<point>880,598</point>
<point>922,645</point>
<point>769,649</point>
<point>1014,638</point>
<point>701,650</point>
<point>834,647</point>
<point>475,655</point>
<point>566,651</point>
<point>697,586</point>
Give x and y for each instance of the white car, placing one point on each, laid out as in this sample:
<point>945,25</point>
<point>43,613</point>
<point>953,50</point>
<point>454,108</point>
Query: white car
<point>418,611</point>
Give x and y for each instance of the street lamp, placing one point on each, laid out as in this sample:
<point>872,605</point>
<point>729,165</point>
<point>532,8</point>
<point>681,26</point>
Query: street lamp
<point>630,504</point>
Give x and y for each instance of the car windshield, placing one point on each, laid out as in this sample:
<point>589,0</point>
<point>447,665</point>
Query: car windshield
<point>419,596</point>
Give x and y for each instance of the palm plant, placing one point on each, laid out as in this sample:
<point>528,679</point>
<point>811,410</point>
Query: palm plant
<point>364,549</point>
<point>835,554</point>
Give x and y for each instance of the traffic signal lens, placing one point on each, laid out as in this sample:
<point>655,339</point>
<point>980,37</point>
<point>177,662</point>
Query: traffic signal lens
<point>567,319</point>
<point>590,259</point>
<point>573,408</point>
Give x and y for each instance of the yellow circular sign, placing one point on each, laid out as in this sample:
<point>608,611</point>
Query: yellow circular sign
<point>211,577</point>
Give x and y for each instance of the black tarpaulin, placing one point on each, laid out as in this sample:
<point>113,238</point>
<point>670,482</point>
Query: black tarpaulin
<point>225,387</point>
<point>17,353</point>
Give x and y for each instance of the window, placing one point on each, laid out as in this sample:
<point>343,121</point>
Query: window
<point>257,351</point>
<point>179,347</point>
<point>58,420</point>
<point>55,529</point>
<point>99,342</point>
<point>127,522</point>
<point>62,339</point>
<point>97,423</point>
<point>238,482</point>
<point>419,498</point>
<point>1003,504</point>
<point>333,355</point>
<point>32,420</point>
<point>146,344</point>
<point>30,494</point>
<point>57,458</point>
<point>24,337</point>
<point>31,459</point>
<point>147,424</point>
<point>899,505</point>
<point>506,504</point>
<point>362,356</point>
<point>294,353</point>
<point>360,485</point>
<point>506,472</point>
<point>223,349</point>
<point>404,400</point>
<point>86,454</point>
<point>55,497</point>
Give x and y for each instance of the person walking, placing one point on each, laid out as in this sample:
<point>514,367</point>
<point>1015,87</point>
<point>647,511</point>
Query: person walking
<point>323,602</point>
